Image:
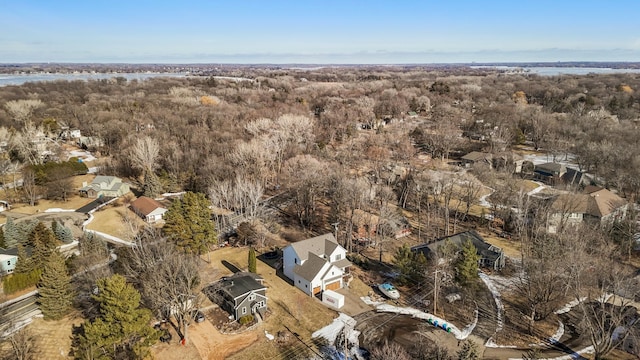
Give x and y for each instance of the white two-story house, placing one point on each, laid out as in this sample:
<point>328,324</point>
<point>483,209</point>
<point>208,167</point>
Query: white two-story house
<point>316,264</point>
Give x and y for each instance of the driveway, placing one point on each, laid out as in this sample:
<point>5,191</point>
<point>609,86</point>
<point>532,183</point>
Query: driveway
<point>94,204</point>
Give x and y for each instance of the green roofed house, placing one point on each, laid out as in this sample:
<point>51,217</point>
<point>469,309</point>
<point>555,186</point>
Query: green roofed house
<point>105,186</point>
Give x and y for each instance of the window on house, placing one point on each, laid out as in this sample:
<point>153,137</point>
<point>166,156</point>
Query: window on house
<point>298,281</point>
<point>252,297</point>
<point>295,260</point>
<point>9,262</point>
<point>244,310</point>
<point>305,285</point>
<point>338,257</point>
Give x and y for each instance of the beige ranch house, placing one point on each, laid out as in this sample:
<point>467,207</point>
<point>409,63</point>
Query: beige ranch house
<point>105,186</point>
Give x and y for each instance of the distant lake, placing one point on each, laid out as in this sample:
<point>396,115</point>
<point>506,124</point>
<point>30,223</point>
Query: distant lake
<point>559,70</point>
<point>19,79</point>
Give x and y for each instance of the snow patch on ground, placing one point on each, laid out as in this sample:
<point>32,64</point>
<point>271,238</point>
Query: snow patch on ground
<point>576,355</point>
<point>111,238</point>
<point>499,305</point>
<point>82,154</point>
<point>52,210</point>
<point>166,195</point>
<point>496,297</point>
<point>492,344</point>
<point>570,305</point>
<point>419,314</point>
<point>483,198</point>
<point>555,338</point>
<point>502,283</point>
<point>331,331</point>
<point>540,187</point>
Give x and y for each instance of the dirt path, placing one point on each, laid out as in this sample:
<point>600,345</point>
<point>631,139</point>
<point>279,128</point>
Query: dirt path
<point>212,345</point>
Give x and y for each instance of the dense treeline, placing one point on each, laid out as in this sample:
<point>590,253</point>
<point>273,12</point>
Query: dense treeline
<point>355,147</point>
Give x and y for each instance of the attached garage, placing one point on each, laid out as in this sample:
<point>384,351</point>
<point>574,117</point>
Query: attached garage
<point>333,286</point>
<point>316,289</point>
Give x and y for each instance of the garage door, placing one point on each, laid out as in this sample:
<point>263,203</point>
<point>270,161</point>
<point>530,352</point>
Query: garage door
<point>316,290</point>
<point>333,286</point>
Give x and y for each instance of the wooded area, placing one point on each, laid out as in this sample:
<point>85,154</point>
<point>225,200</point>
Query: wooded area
<point>375,155</point>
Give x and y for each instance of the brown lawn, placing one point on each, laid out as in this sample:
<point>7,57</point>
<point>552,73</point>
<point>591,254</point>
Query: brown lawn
<point>511,247</point>
<point>73,203</point>
<point>118,221</point>
<point>288,306</point>
<point>53,338</point>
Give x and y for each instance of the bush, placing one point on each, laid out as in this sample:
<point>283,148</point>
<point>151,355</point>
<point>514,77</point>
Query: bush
<point>17,282</point>
<point>247,319</point>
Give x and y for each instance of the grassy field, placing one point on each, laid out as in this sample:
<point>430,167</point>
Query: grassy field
<point>117,221</point>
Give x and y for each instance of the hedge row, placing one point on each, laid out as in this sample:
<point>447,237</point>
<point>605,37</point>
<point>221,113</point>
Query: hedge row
<point>21,281</point>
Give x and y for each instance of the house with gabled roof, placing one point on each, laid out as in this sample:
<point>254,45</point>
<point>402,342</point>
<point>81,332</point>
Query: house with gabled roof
<point>595,205</point>
<point>148,209</point>
<point>243,294</point>
<point>550,173</point>
<point>105,186</point>
<point>491,256</point>
<point>316,264</point>
<point>476,157</point>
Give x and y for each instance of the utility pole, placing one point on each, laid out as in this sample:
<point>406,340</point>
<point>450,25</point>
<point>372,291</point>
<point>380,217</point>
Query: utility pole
<point>435,291</point>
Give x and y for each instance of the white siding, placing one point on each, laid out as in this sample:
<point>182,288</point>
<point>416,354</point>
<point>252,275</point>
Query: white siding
<point>289,257</point>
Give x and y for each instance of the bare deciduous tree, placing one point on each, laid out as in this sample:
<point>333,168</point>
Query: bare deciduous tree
<point>388,351</point>
<point>21,110</point>
<point>23,345</point>
<point>168,279</point>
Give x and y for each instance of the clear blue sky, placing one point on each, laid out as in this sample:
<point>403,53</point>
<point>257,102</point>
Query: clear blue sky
<point>308,31</point>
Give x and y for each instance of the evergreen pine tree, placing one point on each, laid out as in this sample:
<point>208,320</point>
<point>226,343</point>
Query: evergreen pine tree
<point>252,260</point>
<point>418,265</point>
<point>2,243</point>
<point>54,287</point>
<point>467,265</point>
<point>43,242</point>
<point>62,233</point>
<point>152,186</point>
<point>24,230</point>
<point>188,223</point>
<point>11,236</point>
<point>122,329</point>
<point>54,226</point>
<point>403,262</point>
<point>24,264</point>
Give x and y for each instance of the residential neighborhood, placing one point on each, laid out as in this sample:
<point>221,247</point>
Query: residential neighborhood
<point>338,213</point>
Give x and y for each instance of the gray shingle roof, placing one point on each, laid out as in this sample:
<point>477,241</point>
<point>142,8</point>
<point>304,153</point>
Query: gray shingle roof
<point>239,284</point>
<point>319,245</point>
<point>484,249</point>
<point>310,268</point>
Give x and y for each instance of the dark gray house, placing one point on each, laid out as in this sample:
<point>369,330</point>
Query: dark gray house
<point>243,294</point>
<point>490,256</point>
<point>550,173</point>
